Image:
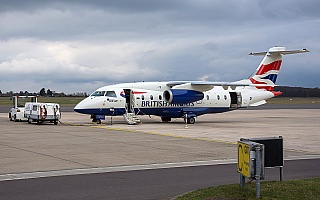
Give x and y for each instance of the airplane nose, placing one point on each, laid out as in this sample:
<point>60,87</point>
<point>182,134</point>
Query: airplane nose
<point>89,105</point>
<point>81,107</point>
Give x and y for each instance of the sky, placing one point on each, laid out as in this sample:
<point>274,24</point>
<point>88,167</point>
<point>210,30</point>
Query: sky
<point>78,45</point>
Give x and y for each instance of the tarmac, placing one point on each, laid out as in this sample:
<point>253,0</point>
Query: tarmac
<point>76,143</point>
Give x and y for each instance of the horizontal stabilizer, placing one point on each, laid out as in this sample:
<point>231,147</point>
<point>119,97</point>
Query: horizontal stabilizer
<point>280,50</point>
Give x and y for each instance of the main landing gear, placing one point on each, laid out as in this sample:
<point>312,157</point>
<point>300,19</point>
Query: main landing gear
<point>190,120</point>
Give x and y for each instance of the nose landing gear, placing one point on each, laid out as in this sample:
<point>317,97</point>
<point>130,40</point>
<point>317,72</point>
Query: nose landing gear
<point>95,119</point>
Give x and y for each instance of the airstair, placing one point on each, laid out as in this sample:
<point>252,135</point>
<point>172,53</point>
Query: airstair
<point>130,116</point>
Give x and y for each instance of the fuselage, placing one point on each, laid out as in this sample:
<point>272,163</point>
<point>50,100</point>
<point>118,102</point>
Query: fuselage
<point>187,99</point>
<point>148,100</point>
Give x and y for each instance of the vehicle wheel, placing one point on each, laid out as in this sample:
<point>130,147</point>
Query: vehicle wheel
<point>15,118</point>
<point>10,117</point>
<point>166,119</point>
<point>29,121</point>
<point>191,120</point>
<point>55,122</point>
<point>98,121</point>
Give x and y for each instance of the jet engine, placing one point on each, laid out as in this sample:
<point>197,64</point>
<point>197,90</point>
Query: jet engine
<point>182,96</point>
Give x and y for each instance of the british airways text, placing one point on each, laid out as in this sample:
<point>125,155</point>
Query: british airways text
<point>163,104</point>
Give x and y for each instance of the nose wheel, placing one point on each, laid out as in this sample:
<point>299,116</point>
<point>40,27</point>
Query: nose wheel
<point>95,120</point>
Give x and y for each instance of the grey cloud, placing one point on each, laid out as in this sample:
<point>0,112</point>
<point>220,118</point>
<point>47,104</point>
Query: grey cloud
<point>89,43</point>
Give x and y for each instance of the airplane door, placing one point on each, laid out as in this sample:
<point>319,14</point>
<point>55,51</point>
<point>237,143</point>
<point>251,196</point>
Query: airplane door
<point>236,100</point>
<point>239,99</point>
<point>129,105</point>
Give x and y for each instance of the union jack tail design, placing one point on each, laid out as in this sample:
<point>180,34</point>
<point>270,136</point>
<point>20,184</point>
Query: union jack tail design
<point>268,70</point>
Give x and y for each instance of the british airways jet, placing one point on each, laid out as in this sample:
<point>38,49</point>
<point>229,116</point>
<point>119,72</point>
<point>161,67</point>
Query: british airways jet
<point>186,99</point>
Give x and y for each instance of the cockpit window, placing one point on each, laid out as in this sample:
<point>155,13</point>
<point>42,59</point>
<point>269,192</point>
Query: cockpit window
<point>98,93</point>
<point>111,94</point>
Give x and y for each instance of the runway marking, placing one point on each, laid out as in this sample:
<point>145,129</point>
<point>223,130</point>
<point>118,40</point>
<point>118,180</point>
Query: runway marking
<point>69,172</point>
<point>33,175</point>
<point>161,134</point>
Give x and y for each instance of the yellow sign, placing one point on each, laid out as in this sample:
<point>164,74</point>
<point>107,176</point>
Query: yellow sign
<point>244,159</point>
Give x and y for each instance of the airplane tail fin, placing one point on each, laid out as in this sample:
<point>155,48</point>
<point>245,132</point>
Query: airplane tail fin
<point>267,71</point>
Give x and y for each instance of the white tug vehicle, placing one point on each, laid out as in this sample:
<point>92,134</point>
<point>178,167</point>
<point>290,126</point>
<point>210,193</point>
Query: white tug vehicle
<point>16,113</point>
<point>40,112</point>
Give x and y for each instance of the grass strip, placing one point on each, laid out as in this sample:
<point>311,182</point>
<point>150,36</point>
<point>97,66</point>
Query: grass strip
<point>294,189</point>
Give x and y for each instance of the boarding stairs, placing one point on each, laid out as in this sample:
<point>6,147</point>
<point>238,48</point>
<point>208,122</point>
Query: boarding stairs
<point>130,116</point>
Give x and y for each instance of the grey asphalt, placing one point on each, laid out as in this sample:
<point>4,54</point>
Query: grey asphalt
<point>76,144</point>
<point>144,184</point>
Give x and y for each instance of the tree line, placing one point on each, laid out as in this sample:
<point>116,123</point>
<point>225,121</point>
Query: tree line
<point>286,92</point>
<point>44,93</point>
<point>298,91</point>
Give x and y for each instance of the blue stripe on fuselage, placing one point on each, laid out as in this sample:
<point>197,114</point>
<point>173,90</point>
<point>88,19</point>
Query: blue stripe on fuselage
<point>163,112</point>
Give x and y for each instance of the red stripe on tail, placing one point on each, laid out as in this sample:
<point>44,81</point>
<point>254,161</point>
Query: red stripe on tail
<point>271,66</point>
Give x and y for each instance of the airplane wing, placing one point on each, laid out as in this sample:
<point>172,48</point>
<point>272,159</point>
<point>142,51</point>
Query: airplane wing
<point>203,86</point>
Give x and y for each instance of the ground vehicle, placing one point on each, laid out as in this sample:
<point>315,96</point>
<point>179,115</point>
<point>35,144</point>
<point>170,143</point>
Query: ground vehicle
<point>16,113</point>
<point>40,112</point>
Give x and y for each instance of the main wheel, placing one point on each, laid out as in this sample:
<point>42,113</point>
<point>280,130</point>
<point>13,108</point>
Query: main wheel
<point>29,120</point>
<point>191,120</point>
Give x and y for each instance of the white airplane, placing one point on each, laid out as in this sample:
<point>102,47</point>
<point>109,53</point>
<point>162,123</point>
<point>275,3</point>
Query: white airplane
<point>186,99</point>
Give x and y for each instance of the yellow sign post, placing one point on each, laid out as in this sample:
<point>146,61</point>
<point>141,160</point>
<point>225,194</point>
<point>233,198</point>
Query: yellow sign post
<point>251,162</point>
<point>244,159</point>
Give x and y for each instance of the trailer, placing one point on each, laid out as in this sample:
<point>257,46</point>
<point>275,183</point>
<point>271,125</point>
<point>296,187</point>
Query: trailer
<point>40,112</point>
<point>16,113</point>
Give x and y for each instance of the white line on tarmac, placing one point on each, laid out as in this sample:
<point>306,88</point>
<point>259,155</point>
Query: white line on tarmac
<point>33,175</point>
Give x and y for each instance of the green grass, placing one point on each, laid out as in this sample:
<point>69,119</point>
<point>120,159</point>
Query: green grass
<point>72,101</point>
<point>61,100</point>
<point>296,189</point>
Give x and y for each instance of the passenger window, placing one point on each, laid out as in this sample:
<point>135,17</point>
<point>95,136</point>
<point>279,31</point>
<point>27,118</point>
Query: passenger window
<point>111,94</point>
<point>98,93</point>
<point>35,108</point>
<point>207,97</point>
<point>160,97</point>
<point>218,97</point>
<point>225,97</point>
<point>151,97</point>
<point>142,97</point>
